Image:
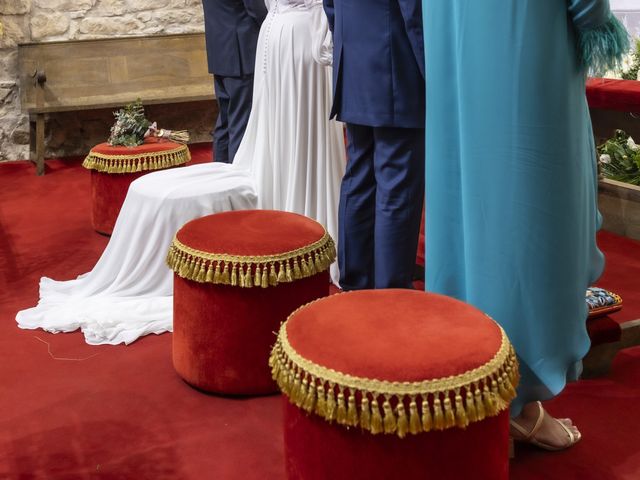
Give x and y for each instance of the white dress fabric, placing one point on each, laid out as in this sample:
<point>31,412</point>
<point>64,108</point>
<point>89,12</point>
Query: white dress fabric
<point>129,292</point>
<point>291,158</point>
<point>295,154</point>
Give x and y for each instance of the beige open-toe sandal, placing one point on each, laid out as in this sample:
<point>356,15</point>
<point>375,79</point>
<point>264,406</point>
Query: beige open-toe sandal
<point>530,436</point>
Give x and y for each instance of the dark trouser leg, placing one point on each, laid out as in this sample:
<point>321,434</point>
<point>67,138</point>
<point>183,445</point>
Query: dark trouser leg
<point>399,172</point>
<point>240,97</point>
<point>357,212</point>
<point>221,130</point>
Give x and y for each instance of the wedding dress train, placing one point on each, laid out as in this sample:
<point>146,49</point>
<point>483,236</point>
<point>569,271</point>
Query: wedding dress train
<point>129,292</point>
<point>291,158</point>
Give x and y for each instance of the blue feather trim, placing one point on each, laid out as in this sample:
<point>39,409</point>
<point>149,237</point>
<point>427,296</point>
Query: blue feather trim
<point>602,48</point>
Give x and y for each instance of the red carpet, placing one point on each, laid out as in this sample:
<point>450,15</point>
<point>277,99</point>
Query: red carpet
<point>102,412</point>
<point>69,410</point>
<point>622,273</point>
<point>606,412</point>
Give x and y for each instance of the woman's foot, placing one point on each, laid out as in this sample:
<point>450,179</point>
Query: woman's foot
<point>534,426</point>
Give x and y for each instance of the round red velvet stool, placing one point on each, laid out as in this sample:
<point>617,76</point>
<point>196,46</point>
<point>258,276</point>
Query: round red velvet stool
<point>114,168</point>
<point>237,276</point>
<point>401,384</point>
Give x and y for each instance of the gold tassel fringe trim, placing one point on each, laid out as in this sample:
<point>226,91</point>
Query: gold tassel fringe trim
<point>399,408</point>
<point>141,162</point>
<point>251,271</point>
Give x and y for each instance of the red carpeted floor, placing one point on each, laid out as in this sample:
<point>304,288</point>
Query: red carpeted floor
<point>622,273</point>
<point>71,411</point>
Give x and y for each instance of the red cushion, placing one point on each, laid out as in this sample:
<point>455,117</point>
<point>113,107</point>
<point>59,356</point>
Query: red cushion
<point>402,362</point>
<point>114,168</point>
<point>316,450</point>
<point>224,324</point>
<point>151,144</point>
<point>612,94</point>
<point>107,196</point>
<point>108,192</point>
<point>152,155</point>
<point>250,233</point>
<point>394,335</point>
<point>222,335</point>
<point>395,362</point>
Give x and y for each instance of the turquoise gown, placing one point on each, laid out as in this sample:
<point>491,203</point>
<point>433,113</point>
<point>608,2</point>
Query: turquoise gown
<point>511,176</point>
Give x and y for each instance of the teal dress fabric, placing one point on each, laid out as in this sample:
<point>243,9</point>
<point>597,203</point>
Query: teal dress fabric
<point>511,176</point>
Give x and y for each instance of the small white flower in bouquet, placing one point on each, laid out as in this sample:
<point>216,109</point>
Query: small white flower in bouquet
<point>604,158</point>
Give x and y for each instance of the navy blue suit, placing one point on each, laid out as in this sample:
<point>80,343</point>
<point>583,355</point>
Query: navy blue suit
<point>379,91</point>
<point>231,30</point>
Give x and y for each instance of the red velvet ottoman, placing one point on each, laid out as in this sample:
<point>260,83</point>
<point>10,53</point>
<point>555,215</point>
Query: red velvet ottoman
<point>394,384</point>
<point>238,275</point>
<point>114,168</point>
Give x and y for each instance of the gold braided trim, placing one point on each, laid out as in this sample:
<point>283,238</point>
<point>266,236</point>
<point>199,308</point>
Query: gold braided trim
<point>399,408</point>
<point>140,162</point>
<point>251,271</point>
<point>617,297</point>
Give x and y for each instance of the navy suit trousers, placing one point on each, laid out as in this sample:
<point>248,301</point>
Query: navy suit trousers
<point>381,200</point>
<point>234,95</point>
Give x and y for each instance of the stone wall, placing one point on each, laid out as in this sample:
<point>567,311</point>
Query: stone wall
<point>54,20</point>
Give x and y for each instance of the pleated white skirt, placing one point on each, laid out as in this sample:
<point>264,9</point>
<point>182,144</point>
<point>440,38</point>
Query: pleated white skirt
<point>296,155</point>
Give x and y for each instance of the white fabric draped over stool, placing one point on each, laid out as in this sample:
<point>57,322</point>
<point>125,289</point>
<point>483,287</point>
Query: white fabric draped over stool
<point>129,292</point>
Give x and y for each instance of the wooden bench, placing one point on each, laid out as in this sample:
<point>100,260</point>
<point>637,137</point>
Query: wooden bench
<point>93,74</point>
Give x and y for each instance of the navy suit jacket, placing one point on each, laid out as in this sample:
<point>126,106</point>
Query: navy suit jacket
<point>378,62</point>
<point>231,29</point>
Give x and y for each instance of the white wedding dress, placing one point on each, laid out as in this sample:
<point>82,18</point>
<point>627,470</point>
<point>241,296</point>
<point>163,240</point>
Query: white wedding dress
<point>291,158</point>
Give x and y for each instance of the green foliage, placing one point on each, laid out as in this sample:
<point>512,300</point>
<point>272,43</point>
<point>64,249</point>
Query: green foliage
<point>634,64</point>
<point>620,159</point>
<point>130,126</point>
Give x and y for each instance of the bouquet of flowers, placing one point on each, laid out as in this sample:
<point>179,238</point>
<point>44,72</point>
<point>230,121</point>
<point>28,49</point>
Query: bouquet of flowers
<point>620,159</point>
<point>132,127</point>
